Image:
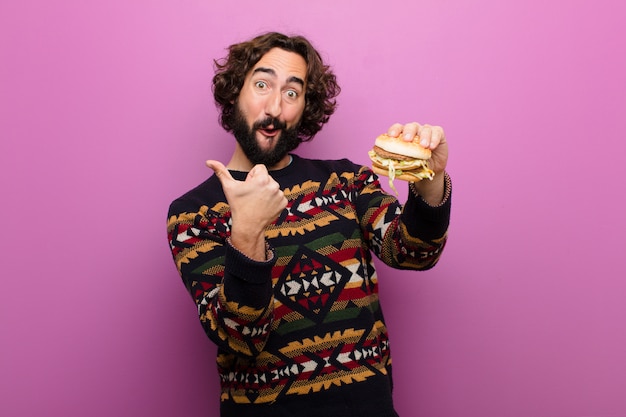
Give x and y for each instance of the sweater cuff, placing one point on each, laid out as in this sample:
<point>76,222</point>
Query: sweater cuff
<point>246,281</point>
<point>247,269</point>
<point>426,221</point>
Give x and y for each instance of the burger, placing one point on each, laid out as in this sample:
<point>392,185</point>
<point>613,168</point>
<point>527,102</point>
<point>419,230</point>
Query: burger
<point>397,158</point>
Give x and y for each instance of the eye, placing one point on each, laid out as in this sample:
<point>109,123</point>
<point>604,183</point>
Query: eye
<point>292,94</point>
<point>260,85</point>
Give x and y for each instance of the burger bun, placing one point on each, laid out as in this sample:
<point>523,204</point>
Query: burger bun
<point>399,146</point>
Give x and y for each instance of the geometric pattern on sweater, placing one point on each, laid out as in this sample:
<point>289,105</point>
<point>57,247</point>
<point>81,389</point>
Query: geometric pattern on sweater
<point>322,328</point>
<point>311,207</point>
<point>321,290</point>
<point>312,286</point>
<point>301,367</point>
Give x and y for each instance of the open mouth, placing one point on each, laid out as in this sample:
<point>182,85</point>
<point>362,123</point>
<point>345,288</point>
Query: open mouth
<point>269,132</point>
<point>270,127</point>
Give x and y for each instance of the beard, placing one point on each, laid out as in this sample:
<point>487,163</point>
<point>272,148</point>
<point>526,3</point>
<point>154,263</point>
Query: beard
<point>286,141</point>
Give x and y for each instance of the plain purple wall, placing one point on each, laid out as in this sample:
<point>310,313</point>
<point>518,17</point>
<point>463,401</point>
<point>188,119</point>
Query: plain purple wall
<point>106,116</point>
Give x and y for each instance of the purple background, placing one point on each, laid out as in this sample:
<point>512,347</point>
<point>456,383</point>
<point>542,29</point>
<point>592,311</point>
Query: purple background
<point>106,115</point>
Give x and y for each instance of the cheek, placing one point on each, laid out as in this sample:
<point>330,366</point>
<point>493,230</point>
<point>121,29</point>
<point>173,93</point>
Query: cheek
<point>294,114</point>
<point>250,105</point>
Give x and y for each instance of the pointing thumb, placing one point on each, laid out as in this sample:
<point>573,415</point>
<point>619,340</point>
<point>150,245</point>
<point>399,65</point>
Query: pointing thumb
<point>220,170</point>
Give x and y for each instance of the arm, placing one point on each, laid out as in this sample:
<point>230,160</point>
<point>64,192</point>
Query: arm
<point>232,292</point>
<point>225,262</point>
<point>415,238</point>
<point>405,237</point>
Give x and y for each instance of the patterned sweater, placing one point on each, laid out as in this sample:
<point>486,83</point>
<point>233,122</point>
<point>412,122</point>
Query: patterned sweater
<point>303,332</point>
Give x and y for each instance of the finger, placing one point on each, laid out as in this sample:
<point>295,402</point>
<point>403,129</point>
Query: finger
<point>258,172</point>
<point>258,169</point>
<point>395,130</point>
<point>437,137</point>
<point>425,135</point>
<point>220,170</point>
<point>410,130</point>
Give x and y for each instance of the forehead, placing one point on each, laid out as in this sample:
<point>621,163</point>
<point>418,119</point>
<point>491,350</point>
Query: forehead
<point>284,64</point>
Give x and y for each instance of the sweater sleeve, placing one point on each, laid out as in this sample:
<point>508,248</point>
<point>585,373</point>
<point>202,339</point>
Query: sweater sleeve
<point>405,237</point>
<point>233,293</point>
<point>426,221</point>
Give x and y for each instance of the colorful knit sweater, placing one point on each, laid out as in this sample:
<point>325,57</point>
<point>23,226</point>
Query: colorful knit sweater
<point>303,330</point>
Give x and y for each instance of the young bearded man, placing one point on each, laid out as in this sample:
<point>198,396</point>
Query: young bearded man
<point>276,250</point>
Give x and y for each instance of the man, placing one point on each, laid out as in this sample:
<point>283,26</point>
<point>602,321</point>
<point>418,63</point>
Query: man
<point>276,250</point>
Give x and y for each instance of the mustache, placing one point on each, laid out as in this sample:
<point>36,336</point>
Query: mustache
<point>270,121</point>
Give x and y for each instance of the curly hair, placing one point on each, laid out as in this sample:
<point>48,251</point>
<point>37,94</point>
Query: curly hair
<point>321,83</point>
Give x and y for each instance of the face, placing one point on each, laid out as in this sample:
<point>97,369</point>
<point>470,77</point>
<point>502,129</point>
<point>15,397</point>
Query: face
<point>269,107</point>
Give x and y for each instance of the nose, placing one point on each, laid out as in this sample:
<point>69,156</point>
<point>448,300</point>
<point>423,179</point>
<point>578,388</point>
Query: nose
<point>273,105</point>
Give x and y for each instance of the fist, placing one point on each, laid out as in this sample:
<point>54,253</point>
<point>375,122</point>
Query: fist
<point>254,203</point>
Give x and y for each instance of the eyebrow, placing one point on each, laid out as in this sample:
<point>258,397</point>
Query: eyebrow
<point>291,79</point>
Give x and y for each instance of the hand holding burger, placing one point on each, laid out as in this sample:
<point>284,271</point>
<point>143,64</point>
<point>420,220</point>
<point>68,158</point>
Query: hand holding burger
<point>428,157</point>
<point>405,160</point>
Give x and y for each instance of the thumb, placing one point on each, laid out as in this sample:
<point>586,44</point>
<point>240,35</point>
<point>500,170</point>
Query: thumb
<point>220,170</point>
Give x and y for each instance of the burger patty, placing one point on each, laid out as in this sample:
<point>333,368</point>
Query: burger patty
<point>390,155</point>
